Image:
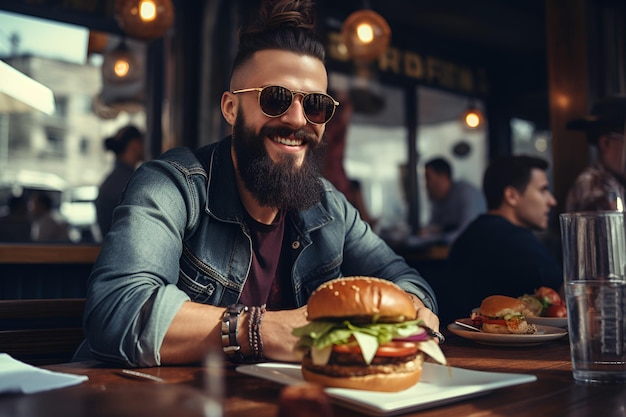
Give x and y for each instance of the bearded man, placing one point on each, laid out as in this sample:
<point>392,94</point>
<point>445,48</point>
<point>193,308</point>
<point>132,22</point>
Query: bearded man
<point>221,247</point>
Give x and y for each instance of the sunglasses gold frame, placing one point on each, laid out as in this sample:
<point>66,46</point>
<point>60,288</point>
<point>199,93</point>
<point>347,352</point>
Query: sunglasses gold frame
<point>294,93</point>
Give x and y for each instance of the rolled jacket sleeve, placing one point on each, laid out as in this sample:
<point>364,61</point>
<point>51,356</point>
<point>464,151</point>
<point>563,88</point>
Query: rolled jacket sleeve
<point>132,297</point>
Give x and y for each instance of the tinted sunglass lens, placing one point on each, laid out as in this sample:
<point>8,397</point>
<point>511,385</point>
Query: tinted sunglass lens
<point>319,108</point>
<point>275,100</point>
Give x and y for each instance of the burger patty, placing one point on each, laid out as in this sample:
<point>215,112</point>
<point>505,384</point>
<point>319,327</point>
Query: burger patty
<point>346,365</point>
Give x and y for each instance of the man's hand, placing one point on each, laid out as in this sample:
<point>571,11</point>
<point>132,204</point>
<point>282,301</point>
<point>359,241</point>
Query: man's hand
<point>276,327</point>
<point>430,319</point>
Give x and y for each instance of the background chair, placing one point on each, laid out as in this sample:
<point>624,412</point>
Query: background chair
<point>41,331</point>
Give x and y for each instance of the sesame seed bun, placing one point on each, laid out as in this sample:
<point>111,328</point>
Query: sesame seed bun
<point>360,296</point>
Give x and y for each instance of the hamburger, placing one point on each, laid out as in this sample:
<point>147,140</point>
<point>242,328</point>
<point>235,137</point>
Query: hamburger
<point>502,314</point>
<point>363,334</point>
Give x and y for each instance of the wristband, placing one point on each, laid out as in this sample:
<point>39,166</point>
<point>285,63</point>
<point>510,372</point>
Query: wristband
<point>230,345</point>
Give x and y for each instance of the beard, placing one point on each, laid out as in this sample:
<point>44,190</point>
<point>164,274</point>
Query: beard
<point>281,184</point>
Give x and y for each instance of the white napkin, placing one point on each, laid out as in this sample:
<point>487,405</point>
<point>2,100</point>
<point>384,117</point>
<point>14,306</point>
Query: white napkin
<point>16,376</point>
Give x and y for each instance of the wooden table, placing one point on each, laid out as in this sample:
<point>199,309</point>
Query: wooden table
<point>109,393</point>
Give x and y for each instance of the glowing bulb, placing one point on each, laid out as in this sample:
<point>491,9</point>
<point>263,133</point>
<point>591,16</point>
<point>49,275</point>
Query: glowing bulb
<point>121,68</point>
<point>365,32</point>
<point>144,19</point>
<point>147,10</point>
<point>472,119</point>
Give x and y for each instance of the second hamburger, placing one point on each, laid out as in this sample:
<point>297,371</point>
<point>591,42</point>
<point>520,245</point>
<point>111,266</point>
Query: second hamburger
<point>502,314</point>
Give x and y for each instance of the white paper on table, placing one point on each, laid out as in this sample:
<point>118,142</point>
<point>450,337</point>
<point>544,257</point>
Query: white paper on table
<point>16,376</point>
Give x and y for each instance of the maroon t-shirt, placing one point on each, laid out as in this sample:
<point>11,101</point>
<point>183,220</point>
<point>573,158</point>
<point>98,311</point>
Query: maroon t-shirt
<point>266,282</point>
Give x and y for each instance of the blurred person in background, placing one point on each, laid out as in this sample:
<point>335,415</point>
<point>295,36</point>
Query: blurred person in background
<point>454,204</point>
<point>355,196</point>
<point>47,226</point>
<point>601,185</point>
<point>128,146</point>
<point>16,225</point>
<point>499,253</point>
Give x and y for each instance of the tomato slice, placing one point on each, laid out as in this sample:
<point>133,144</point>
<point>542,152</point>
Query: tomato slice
<point>386,349</point>
<point>548,295</point>
<point>556,310</point>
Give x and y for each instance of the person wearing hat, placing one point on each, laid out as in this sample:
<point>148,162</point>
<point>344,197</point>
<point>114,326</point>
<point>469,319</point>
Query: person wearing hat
<point>601,185</point>
<point>127,144</point>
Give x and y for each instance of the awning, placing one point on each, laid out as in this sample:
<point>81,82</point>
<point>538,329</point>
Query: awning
<point>20,93</point>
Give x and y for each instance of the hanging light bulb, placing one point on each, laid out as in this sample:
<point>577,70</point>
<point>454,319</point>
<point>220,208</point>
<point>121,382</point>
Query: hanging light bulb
<point>144,19</point>
<point>147,11</point>
<point>472,117</point>
<point>366,34</point>
<point>120,65</point>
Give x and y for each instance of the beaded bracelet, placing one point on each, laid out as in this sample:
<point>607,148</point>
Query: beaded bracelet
<point>254,332</point>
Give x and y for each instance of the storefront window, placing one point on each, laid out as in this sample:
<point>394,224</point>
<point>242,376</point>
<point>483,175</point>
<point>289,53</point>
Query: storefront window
<point>60,154</point>
<point>442,132</point>
<point>376,149</point>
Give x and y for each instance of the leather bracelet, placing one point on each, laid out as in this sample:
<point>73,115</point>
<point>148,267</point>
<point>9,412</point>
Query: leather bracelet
<point>255,316</point>
<point>230,345</point>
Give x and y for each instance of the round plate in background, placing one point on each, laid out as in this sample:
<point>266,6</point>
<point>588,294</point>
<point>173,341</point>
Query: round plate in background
<point>544,334</point>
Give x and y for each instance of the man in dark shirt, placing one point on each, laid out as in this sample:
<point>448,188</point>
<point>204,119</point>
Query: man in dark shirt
<point>498,253</point>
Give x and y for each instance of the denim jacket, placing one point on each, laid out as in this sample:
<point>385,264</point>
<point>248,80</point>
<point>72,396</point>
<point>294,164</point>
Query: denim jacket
<point>179,235</point>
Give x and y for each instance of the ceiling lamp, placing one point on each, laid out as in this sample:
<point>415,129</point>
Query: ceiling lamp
<point>144,19</point>
<point>472,117</point>
<point>366,34</point>
<point>121,65</point>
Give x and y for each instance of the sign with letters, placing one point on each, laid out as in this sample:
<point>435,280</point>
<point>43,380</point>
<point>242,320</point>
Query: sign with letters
<point>426,69</point>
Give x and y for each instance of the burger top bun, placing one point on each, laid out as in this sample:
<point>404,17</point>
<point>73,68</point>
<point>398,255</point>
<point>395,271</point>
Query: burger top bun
<point>360,296</point>
<point>501,305</point>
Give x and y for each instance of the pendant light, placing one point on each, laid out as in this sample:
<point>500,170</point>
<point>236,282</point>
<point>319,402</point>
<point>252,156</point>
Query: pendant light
<point>144,19</point>
<point>366,35</point>
<point>472,117</point>
<point>121,65</point>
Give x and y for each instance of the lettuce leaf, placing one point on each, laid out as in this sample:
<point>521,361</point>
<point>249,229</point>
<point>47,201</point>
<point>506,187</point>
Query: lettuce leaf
<point>320,335</point>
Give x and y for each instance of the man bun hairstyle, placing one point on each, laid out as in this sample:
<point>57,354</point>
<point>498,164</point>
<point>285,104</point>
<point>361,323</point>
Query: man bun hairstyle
<point>281,24</point>
<point>122,138</point>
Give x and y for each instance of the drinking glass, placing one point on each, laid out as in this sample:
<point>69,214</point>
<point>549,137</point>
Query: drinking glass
<point>594,259</point>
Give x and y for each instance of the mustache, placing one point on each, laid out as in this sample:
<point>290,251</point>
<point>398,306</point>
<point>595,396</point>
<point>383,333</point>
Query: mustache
<point>302,134</point>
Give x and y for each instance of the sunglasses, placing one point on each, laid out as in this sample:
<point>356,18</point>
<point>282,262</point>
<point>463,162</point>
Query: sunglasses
<point>275,100</point>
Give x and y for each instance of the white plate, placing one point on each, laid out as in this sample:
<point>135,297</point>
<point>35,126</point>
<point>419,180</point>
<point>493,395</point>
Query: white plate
<point>549,321</point>
<point>438,385</point>
<point>544,334</point>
